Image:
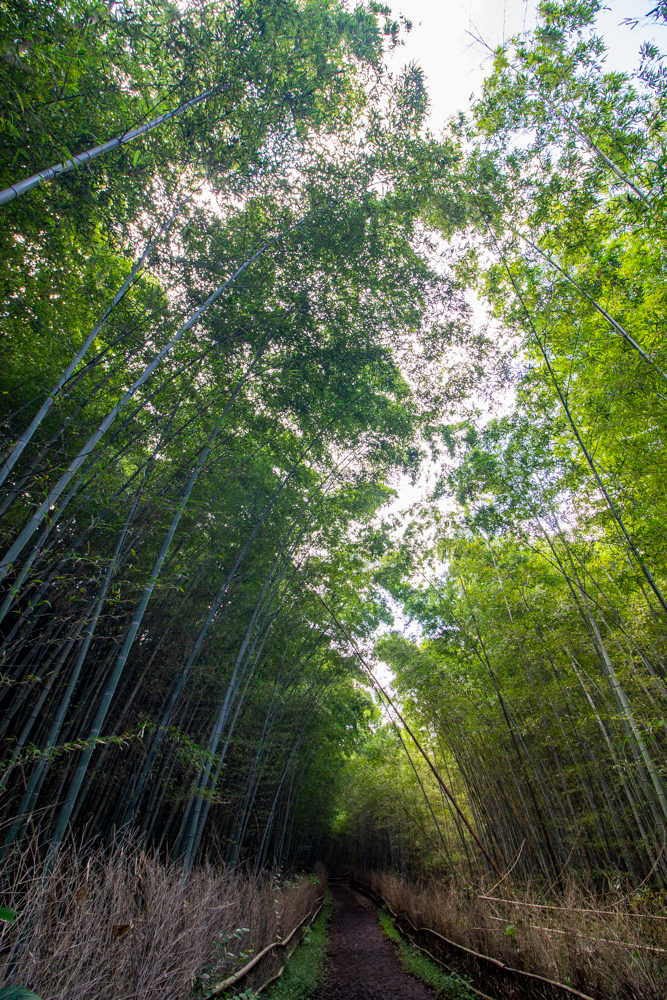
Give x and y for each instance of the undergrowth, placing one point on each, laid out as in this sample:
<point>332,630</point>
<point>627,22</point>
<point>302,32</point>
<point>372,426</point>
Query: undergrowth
<point>303,971</point>
<point>445,984</point>
<point>611,945</point>
<point>103,923</point>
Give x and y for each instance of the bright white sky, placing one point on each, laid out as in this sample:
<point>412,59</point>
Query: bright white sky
<point>455,65</point>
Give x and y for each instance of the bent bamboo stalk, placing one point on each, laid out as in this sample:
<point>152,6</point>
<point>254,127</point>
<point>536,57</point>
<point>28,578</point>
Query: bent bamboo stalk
<point>439,961</point>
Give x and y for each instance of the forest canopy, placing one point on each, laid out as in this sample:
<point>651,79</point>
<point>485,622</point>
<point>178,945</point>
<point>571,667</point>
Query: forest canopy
<point>537,572</point>
<point>237,316</point>
<point>220,346</point>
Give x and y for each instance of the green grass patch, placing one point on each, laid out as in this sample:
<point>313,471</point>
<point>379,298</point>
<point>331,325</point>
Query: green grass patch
<point>447,985</point>
<point>303,972</point>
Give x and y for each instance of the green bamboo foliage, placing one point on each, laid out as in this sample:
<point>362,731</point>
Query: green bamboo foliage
<point>537,571</point>
<point>204,408</point>
<point>226,343</point>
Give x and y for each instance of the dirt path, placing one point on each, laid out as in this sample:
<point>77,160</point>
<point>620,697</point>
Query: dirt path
<point>361,963</point>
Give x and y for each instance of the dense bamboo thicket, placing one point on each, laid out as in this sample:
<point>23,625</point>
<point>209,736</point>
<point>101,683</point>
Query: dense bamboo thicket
<point>219,345</point>
<point>236,314</point>
<point>537,574</point>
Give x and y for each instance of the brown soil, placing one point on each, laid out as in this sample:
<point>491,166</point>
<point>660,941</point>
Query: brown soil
<point>361,963</point>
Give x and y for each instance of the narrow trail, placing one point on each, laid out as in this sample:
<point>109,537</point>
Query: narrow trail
<point>361,963</point>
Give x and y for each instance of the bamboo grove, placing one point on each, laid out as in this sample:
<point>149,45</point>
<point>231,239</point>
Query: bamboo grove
<point>537,573</point>
<point>236,315</point>
<point>205,401</point>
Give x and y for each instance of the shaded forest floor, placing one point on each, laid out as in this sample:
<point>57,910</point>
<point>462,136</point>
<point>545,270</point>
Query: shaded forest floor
<point>361,962</point>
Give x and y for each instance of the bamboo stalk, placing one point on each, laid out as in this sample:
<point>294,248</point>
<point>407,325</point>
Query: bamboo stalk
<point>50,173</point>
<point>25,438</point>
<point>588,937</point>
<point>43,510</point>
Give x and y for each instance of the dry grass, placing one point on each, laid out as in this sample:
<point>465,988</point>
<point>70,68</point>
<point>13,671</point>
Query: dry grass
<point>123,922</point>
<point>591,951</point>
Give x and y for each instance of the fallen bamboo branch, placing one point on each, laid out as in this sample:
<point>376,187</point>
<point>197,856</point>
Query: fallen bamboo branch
<point>237,976</point>
<point>571,909</point>
<point>260,989</point>
<point>588,937</point>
